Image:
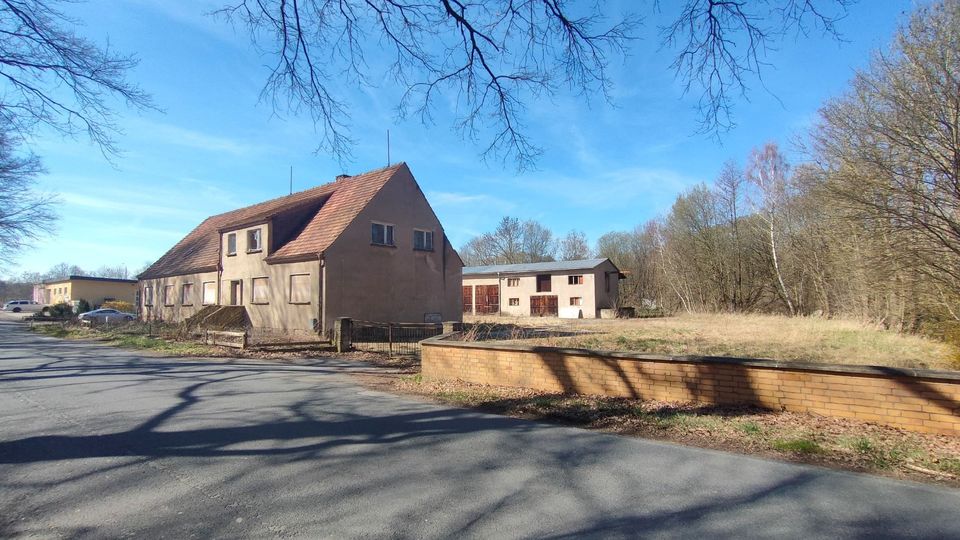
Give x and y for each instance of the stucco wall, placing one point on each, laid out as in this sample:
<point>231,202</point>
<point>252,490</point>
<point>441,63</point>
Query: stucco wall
<point>94,292</point>
<point>592,292</point>
<point>398,283</point>
<point>174,310</point>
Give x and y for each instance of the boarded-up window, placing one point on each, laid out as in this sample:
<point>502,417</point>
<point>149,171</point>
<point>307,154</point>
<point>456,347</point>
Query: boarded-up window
<point>209,293</point>
<point>232,244</point>
<point>147,295</point>
<point>260,290</point>
<point>168,293</point>
<point>186,294</point>
<point>300,289</point>
<point>543,283</point>
<point>574,280</point>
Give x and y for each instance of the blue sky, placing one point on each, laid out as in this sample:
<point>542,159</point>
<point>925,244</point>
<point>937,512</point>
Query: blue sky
<point>213,148</point>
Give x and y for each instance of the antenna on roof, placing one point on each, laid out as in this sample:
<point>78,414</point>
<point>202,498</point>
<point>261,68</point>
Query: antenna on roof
<point>291,179</point>
<point>388,148</point>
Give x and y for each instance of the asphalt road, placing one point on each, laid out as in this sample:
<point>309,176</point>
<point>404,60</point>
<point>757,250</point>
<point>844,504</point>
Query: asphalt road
<point>97,442</point>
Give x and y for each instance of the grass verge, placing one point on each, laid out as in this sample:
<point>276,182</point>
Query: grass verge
<point>805,438</point>
<point>117,338</point>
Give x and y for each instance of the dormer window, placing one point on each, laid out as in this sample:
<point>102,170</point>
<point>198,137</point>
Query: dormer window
<point>381,234</point>
<point>232,244</point>
<point>253,241</point>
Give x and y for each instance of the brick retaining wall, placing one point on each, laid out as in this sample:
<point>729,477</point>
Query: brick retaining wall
<point>918,400</point>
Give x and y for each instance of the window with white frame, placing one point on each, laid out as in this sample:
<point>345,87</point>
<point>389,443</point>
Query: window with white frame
<point>209,293</point>
<point>253,240</point>
<point>513,282</point>
<point>381,234</point>
<point>422,240</point>
<point>574,280</point>
<point>260,290</point>
<point>300,289</point>
<point>186,294</point>
<point>576,301</point>
<point>232,244</point>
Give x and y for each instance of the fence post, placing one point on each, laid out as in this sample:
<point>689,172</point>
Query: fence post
<point>450,327</point>
<point>342,330</point>
<point>389,339</point>
<point>243,342</point>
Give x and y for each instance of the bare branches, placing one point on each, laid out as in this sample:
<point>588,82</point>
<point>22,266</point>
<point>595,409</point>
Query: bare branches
<point>52,77</point>
<point>25,215</point>
<point>489,59</point>
<point>722,44</point>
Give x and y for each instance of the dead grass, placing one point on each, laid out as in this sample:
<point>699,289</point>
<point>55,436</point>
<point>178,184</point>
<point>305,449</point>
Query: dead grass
<point>805,438</point>
<point>804,339</point>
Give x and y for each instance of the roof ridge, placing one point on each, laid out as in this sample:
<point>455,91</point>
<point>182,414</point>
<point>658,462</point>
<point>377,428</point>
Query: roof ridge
<point>314,188</point>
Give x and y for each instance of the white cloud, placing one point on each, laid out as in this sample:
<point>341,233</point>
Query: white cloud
<point>176,135</point>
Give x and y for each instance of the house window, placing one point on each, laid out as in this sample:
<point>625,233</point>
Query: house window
<point>543,283</point>
<point>209,293</point>
<point>381,234</point>
<point>422,240</point>
<point>148,295</point>
<point>168,295</point>
<point>232,244</point>
<point>576,301</point>
<point>574,280</point>
<point>253,241</point>
<point>260,292</point>
<point>300,289</point>
<point>186,294</point>
<point>514,301</point>
<point>513,282</point>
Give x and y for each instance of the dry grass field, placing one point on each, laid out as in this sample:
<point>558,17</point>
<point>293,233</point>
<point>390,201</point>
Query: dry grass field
<point>800,339</point>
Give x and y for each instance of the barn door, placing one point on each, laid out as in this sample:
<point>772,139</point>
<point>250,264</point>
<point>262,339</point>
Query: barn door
<point>488,299</point>
<point>468,299</point>
<point>543,306</point>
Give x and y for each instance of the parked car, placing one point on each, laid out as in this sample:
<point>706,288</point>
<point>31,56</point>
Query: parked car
<point>105,315</point>
<point>17,306</point>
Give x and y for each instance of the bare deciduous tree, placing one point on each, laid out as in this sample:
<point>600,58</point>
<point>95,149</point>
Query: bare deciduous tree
<point>25,214</point>
<point>490,58</point>
<point>512,242</point>
<point>53,77</point>
<point>574,246</point>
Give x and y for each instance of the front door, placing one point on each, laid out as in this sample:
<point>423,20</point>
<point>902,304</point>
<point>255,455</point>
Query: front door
<point>236,293</point>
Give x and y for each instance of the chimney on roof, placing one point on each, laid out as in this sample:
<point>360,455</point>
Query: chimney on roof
<point>342,177</point>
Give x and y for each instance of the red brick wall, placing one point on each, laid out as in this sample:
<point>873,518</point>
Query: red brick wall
<point>924,401</point>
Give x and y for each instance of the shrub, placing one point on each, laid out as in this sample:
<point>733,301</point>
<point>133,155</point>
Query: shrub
<point>61,310</point>
<point>118,305</point>
<point>83,306</point>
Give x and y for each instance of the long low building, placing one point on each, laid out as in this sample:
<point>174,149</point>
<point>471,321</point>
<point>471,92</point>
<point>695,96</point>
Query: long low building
<point>567,289</point>
<point>95,290</point>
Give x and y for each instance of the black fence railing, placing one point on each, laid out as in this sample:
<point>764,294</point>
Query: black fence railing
<point>393,339</point>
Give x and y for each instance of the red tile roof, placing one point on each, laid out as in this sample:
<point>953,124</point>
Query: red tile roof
<point>341,201</point>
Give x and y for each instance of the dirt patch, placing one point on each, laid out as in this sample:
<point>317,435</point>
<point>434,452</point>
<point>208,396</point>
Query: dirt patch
<point>801,438</point>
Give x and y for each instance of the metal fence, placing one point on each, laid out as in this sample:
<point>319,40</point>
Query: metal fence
<point>393,339</point>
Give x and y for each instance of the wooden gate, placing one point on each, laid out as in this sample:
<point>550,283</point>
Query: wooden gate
<point>488,299</point>
<point>468,299</point>
<point>543,306</point>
